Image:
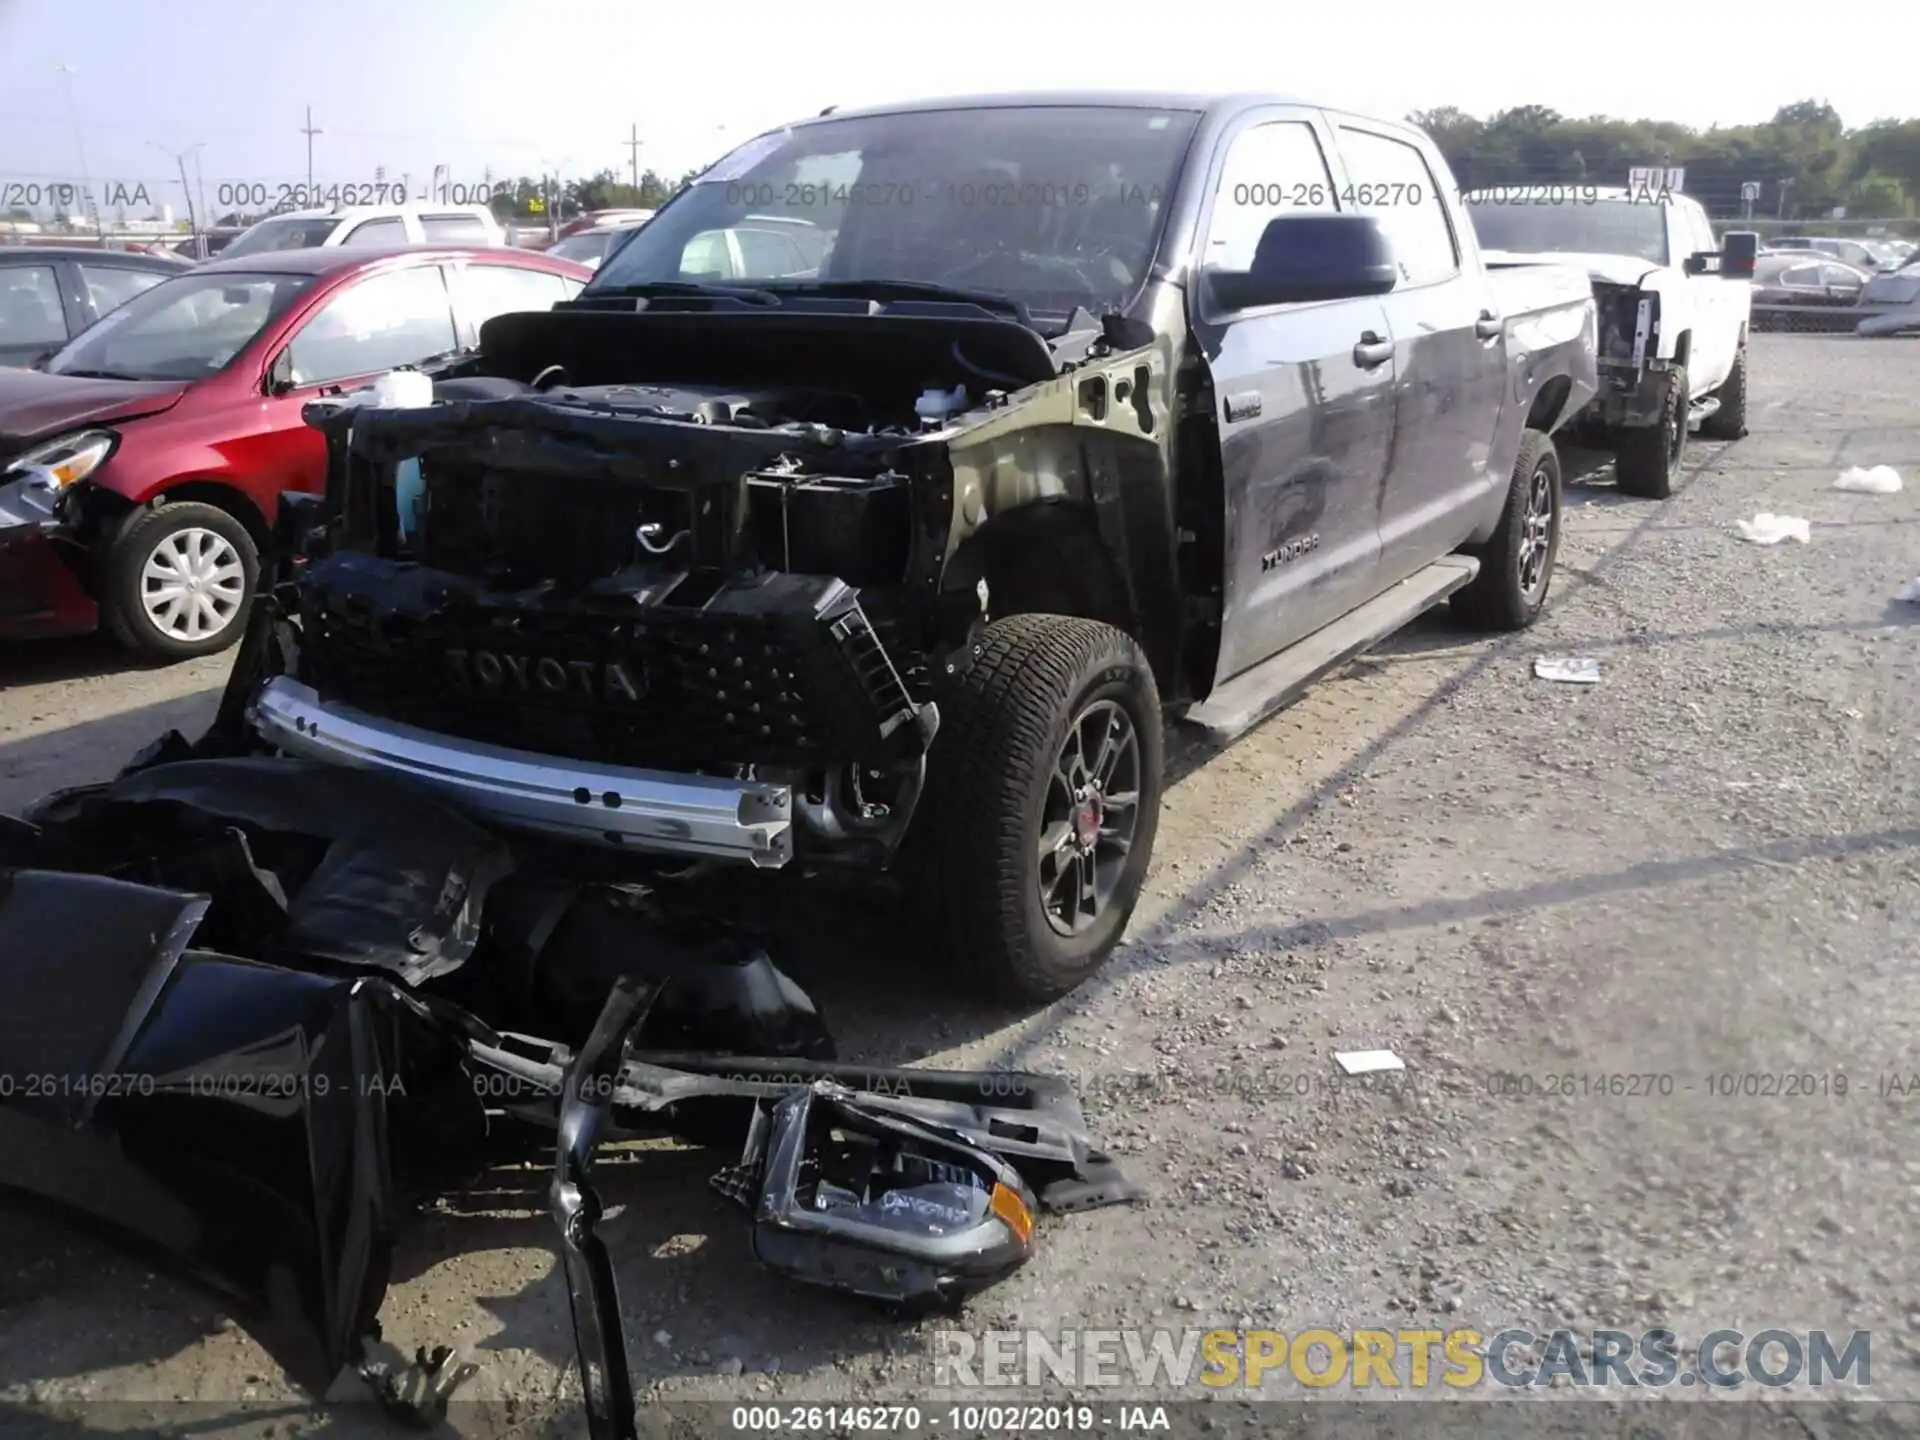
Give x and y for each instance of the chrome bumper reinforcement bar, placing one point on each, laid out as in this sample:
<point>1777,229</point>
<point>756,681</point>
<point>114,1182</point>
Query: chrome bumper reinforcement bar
<point>608,805</point>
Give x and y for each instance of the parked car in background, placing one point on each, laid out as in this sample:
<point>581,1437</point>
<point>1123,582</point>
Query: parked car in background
<point>48,295</point>
<point>756,247</point>
<point>1864,255</point>
<point>1806,279</point>
<point>590,247</point>
<point>377,226</point>
<point>601,220</point>
<point>141,465</point>
<point>1674,307</point>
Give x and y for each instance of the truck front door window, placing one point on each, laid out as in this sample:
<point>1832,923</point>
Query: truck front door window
<point>1390,180</point>
<point>1271,170</point>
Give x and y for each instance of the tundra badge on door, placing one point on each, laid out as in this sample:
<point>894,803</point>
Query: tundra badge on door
<point>1289,552</point>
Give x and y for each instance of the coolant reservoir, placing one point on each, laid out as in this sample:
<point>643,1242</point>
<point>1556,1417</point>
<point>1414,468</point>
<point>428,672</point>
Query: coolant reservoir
<point>405,390</point>
<point>934,406</point>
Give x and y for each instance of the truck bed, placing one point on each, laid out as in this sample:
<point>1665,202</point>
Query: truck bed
<point>1525,290</point>
<point>1549,330</point>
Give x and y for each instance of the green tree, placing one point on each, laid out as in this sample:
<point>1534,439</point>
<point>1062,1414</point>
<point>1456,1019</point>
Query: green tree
<point>1803,157</point>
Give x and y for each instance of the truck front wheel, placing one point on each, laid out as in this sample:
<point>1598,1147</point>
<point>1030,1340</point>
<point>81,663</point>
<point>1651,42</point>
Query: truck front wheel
<point>1729,422</point>
<point>1043,795</point>
<point>1647,457</point>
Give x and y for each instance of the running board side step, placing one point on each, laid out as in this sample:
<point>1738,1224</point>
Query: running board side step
<point>1251,696</point>
<point>1704,408</point>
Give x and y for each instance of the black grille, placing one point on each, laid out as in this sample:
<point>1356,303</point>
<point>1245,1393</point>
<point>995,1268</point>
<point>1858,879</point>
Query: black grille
<point>773,669</point>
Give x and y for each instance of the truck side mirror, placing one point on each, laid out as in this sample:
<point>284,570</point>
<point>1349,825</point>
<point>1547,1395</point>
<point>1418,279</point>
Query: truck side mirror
<point>1311,257</point>
<point>1738,251</point>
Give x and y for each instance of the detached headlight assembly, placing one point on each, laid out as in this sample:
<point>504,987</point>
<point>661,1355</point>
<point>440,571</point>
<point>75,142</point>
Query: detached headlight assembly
<point>71,458</point>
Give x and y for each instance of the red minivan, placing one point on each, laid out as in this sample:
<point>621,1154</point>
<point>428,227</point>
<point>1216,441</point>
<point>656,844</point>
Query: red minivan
<point>141,465</point>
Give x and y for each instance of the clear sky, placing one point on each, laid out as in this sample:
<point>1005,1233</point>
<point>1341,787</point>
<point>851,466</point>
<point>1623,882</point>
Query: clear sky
<point>519,85</point>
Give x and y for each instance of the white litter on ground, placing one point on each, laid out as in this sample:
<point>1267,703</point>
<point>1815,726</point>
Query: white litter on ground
<point>1766,528</point>
<point>1910,592</point>
<point>1880,480</point>
<point>1367,1062</point>
<point>1568,670</point>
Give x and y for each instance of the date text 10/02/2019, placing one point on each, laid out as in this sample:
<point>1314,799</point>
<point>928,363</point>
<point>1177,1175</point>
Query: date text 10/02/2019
<point>959,1419</point>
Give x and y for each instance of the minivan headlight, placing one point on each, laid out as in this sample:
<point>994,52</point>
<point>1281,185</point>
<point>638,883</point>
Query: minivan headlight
<point>60,463</point>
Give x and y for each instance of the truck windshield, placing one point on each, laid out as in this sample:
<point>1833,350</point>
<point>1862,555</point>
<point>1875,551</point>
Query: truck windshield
<point>1606,226</point>
<point>1056,206</point>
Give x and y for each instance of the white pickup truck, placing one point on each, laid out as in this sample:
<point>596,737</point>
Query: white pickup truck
<point>1673,302</point>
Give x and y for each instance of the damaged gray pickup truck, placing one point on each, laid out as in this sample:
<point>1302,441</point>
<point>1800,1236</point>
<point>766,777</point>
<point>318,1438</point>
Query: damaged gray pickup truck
<point>874,503</point>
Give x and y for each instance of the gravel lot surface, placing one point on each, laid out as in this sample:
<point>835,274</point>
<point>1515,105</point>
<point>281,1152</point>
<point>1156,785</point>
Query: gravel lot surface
<point>1706,865</point>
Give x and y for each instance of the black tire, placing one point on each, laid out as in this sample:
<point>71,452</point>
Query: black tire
<point>976,841</point>
<point>1516,565</point>
<point>178,529</point>
<point>1729,422</point>
<point>1646,458</point>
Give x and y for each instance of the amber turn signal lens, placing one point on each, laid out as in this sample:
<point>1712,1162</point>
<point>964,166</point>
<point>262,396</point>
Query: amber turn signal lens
<point>1012,1209</point>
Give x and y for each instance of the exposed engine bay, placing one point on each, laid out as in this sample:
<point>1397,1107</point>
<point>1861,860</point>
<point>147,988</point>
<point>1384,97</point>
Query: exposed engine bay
<point>316,997</point>
<point>1627,357</point>
<point>704,609</point>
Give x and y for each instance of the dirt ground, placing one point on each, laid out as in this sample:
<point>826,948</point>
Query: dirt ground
<point>1704,865</point>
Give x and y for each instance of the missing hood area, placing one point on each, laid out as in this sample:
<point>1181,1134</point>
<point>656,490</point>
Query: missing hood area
<point>258,1010</point>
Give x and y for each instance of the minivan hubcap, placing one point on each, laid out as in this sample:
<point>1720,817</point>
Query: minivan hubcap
<point>193,584</point>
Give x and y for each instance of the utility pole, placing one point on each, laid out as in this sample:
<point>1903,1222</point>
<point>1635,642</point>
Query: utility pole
<point>186,189</point>
<point>200,184</point>
<point>308,131</point>
<point>80,146</point>
<point>633,159</point>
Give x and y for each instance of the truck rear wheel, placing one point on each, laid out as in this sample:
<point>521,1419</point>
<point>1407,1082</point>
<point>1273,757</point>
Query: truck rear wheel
<point>1647,457</point>
<point>1043,795</point>
<point>1516,565</point>
<point>1729,422</point>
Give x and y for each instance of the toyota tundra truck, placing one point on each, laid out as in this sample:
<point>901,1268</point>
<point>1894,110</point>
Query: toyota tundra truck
<point>1674,306</point>
<point>1033,423</point>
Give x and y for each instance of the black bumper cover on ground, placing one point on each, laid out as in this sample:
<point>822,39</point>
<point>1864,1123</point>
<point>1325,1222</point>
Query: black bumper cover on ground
<point>242,1006</point>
